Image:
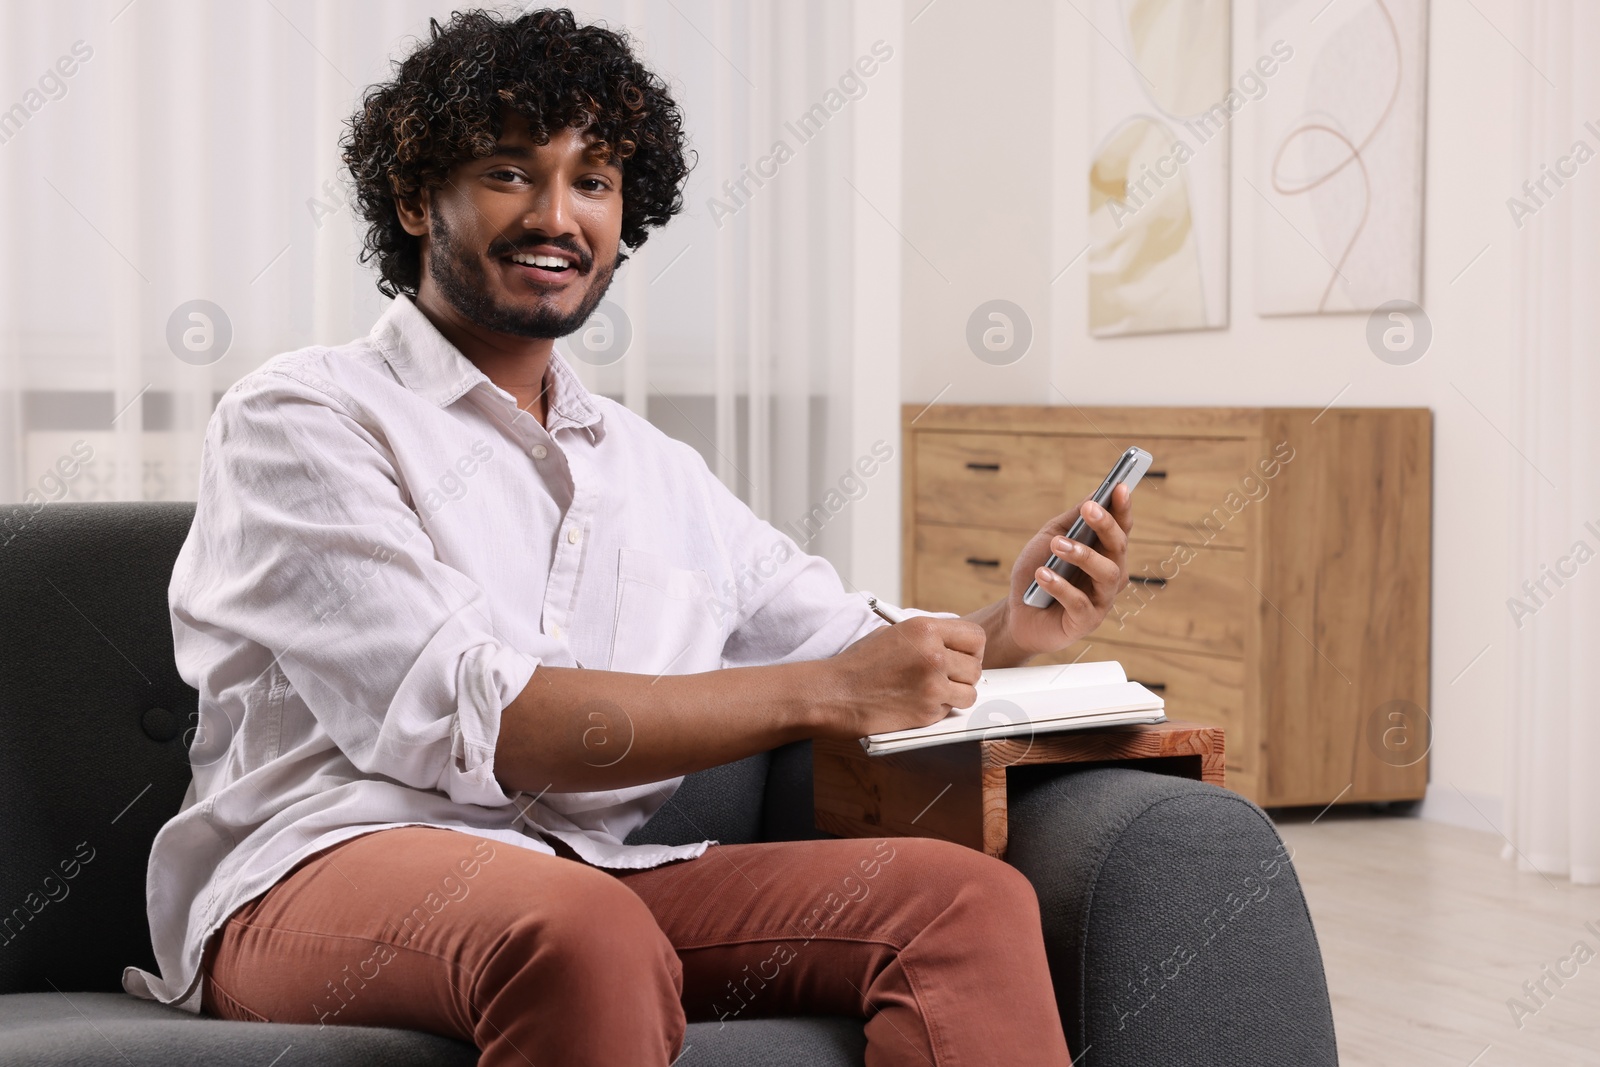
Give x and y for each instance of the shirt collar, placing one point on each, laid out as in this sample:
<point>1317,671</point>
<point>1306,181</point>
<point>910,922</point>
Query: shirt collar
<point>434,369</point>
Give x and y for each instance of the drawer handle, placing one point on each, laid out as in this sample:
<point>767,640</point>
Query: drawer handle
<point>1145,580</point>
<point>976,562</point>
<point>1155,687</point>
<point>991,467</point>
<point>1155,474</point>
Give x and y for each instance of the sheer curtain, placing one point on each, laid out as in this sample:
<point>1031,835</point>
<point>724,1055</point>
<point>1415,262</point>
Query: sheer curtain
<point>175,215</point>
<point>1554,809</point>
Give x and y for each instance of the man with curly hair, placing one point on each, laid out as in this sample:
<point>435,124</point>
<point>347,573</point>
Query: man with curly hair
<point>459,627</point>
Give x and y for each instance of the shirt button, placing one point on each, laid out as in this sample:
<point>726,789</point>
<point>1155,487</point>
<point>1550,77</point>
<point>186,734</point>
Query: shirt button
<point>538,451</point>
<point>573,535</point>
<point>555,629</point>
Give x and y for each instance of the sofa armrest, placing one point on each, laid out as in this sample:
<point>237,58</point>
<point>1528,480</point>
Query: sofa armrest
<point>1174,923</point>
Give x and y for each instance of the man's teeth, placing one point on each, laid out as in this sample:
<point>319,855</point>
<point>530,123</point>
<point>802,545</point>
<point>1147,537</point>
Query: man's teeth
<point>551,262</point>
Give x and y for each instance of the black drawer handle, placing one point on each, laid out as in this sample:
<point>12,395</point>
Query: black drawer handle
<point>989,467</point>
<point>1155,474</point>
<point>976,562</point>
<point>1155,687</point>
<point>1144,580</point>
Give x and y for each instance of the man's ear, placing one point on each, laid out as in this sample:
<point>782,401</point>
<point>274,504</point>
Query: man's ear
<point>413,213</point>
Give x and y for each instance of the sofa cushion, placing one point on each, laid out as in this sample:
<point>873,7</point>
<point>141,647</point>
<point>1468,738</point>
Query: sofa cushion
<point>89,1029</point>
<point>81,1029</point>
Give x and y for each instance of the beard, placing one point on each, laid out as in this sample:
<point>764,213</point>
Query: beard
<point>459,274</point>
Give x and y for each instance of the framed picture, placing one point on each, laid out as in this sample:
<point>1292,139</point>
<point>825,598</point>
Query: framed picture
<point>1160,128</point>
<point>1338,166</point>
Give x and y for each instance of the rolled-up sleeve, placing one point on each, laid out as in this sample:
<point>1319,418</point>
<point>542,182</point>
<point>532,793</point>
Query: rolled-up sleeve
<point>307,546</point>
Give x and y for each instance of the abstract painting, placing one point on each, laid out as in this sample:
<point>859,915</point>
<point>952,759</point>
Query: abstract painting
<point>1159,127</point>
<point>1339,156</point>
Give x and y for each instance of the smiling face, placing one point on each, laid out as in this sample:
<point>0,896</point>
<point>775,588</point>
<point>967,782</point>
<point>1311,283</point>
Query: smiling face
<point>524,241</point>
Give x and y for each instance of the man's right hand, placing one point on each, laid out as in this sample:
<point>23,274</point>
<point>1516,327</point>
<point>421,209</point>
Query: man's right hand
<point>900,677</point>
<point>574,730</point>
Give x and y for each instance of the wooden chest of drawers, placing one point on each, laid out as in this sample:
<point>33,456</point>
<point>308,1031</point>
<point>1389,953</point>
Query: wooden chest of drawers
<point>1279,569</point>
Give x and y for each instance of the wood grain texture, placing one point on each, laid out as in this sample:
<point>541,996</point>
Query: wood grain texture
<point>930,792</point>
<point>1195,492</point>
<point>1344,604</point>
<point>1185,497</point>
<point>908,507</point>
<point>1309,583</point>
<point>1202,607</point>
<point>1194,749</point>
<point>957,792</point>
<point>1144,422</point>
<point>1207,689</point>
<point>986,479</point>
<point>962,568</point>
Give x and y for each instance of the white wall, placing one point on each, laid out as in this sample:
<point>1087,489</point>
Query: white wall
<point>996,160</point>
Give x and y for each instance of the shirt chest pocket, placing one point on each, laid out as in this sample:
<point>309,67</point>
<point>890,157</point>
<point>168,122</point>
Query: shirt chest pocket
<point>667,622</point>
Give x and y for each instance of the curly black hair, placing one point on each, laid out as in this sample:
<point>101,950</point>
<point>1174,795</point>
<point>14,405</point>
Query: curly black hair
<point>444,107</point>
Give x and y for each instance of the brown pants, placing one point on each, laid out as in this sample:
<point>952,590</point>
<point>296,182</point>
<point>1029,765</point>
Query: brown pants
<point>547,960</point>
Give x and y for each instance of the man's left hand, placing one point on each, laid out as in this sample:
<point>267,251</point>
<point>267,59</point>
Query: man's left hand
<point>1080,605</point>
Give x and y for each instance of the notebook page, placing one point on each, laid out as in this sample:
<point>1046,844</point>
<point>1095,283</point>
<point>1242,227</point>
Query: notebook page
<point>1024,730</point>
<point>1037,706</point>
<point>1008,681</point>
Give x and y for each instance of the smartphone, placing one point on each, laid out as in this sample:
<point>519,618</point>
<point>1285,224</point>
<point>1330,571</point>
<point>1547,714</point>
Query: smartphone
<point>1127,470</point>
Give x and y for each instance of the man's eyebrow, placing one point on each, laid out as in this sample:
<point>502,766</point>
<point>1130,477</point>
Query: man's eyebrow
<point>515,151</point>
<point>595,155</point>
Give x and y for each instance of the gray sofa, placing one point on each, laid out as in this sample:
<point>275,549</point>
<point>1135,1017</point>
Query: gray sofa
<point>1176,929</point>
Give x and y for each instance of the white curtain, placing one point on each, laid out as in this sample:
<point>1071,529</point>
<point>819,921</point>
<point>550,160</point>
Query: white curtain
<point>1554,611</point>
<point>168,151</point>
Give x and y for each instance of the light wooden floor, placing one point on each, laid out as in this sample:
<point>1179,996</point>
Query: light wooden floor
<point>1426,933</point>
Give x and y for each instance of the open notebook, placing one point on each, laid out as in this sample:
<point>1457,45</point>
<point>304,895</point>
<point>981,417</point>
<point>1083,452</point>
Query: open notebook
<point>1027,701</point>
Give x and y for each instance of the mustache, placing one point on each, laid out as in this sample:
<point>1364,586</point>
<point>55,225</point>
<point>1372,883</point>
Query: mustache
<point>502,248</point>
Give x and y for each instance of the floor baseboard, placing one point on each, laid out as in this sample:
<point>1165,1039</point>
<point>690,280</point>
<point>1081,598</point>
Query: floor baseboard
<point>1471,811</point>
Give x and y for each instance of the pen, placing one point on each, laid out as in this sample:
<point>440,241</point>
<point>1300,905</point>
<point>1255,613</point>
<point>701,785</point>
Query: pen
<point>888,613</point>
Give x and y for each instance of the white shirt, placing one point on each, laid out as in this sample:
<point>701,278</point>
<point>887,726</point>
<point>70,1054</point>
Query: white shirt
<point>384,550</point>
